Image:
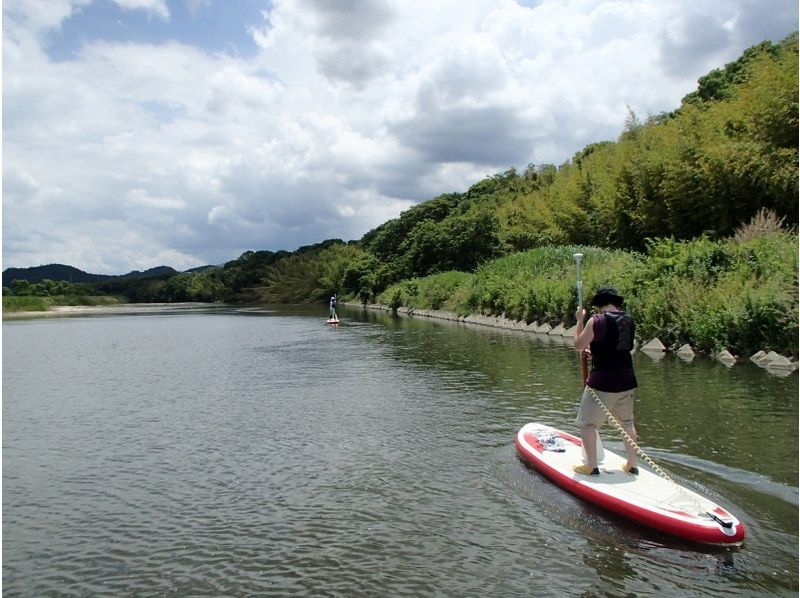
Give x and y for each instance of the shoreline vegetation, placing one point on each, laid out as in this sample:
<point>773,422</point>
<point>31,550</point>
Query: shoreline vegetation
<point>738,294</point>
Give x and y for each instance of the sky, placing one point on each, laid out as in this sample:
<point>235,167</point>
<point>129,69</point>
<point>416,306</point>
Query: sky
<point>140,133</point>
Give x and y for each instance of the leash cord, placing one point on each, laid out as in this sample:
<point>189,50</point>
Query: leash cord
<point>646,458</point>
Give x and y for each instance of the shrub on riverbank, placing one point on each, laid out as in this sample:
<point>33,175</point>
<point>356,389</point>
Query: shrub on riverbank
<point>734,294</point>
<point>722,294</point>
<point>438,291</point>
<point>540,284</point>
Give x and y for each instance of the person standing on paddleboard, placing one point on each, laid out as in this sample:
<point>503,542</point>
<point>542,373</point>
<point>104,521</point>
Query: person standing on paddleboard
<point>609,334</point>
<point>332,307</point>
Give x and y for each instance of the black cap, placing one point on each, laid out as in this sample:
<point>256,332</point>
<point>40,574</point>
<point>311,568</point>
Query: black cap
<point>606,295</point>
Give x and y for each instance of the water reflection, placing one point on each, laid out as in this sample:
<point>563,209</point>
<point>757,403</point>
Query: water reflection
<point>731,416</point>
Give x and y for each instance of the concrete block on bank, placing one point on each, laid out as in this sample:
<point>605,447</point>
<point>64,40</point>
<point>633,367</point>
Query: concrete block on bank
<point>557,331</point>
<point>571,331</point>
<point>544,328</point>
<point>725,357</point>
<point>757,357</point>
<point>654,346</point>
<point>782,363</point>
<point>765,358</point>
<point>782,367</point>
<point>686,353</point>
<point>511,324</point>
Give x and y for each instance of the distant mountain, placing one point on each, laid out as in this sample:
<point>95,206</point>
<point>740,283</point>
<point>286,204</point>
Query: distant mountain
<point>49,272</point>
<point>201,268</point>
<point>72,274</point>
<point>151,273</point>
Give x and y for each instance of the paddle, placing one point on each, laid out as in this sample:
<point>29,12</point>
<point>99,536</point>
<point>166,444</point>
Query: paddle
<point>585,358</point>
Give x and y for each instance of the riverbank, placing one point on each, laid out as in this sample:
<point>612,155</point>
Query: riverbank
<point>122,308</point>
<point>739,295</point>
<point>772,362</point>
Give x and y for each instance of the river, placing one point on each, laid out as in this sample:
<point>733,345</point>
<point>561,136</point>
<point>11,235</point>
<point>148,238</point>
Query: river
<point>222,452</point>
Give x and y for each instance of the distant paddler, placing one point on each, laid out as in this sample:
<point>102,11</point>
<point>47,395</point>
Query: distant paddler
<point>332,307</point>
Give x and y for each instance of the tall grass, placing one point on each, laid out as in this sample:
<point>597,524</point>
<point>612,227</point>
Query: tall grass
<point>26,303</point>
<point>439,291</point>
<point>540,284</point>
<point>723,294</point>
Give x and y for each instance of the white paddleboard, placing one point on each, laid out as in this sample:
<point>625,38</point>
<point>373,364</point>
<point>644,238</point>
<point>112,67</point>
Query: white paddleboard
<point>647,498</point>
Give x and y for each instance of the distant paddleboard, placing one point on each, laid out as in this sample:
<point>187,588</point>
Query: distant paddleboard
<point>648,499</point>
<point>332,321</point>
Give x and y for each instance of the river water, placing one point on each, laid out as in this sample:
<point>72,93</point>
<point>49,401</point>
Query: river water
<point>243,453</point>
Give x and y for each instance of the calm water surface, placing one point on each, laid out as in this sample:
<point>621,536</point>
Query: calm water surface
<point>225,453</point>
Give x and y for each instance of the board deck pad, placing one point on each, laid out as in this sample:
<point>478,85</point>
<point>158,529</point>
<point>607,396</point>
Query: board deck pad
<point>647,498</point>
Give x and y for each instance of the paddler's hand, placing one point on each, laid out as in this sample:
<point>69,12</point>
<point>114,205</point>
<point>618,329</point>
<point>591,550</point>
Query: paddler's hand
<point>580,315</point>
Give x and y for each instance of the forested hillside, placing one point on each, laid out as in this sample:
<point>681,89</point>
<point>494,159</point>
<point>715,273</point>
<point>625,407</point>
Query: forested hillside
<point>706,168</point>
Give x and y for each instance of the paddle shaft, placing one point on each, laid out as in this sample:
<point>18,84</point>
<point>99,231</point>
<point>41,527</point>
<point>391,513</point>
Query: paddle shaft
<point>584,358</point>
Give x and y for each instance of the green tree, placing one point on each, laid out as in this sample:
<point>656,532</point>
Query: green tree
<point>21,287</point>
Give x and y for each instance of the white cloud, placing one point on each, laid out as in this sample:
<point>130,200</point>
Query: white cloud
<point>141,198</point>
<point>34,16</point>
<point>131,154</point>
<point>156,8</point>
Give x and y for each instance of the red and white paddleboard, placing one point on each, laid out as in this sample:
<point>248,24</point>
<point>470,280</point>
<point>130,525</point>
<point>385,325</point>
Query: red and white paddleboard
<point>647,498</point>
<point>331,321</point>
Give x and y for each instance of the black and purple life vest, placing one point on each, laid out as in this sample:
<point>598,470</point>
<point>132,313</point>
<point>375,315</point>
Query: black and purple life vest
<point>613,350</point>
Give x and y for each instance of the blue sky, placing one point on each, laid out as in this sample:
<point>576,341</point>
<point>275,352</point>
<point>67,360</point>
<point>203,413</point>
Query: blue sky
<point>138,133</point>
<point>211,26</point>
